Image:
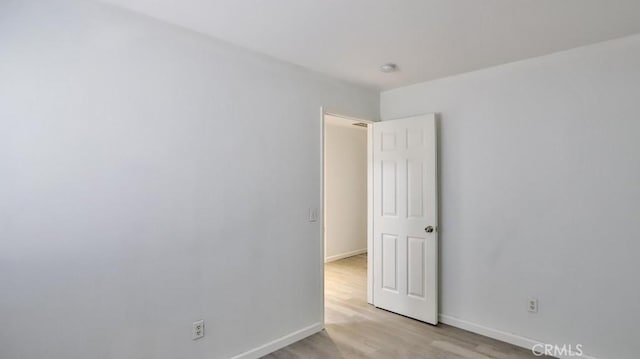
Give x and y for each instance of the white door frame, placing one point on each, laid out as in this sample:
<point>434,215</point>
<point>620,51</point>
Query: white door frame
<point>324,112</point>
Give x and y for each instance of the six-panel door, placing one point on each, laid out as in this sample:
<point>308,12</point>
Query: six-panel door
<point>404,205</point>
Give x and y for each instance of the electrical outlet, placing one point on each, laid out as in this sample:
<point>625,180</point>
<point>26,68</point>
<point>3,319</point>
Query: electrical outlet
<point>198,330</point>
<point>532,305</point>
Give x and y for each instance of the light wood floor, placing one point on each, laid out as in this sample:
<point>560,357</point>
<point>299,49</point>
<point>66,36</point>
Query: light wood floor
<point>355,329</point>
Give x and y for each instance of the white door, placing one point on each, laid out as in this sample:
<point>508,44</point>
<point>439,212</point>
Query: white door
<point>405,240</point>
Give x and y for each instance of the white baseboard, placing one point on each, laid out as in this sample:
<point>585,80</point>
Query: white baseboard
<point>510,338</point>
<point>280,342</point>
<point>344,255</point>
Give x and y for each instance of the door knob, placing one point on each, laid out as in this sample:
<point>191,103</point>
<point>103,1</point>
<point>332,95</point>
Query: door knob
<point>429,229</point>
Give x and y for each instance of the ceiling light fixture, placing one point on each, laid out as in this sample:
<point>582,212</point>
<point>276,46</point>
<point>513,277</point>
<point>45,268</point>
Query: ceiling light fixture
<point>389,68</point>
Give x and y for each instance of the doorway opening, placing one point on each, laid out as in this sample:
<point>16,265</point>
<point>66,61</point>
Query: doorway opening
<point>380,198</point>
<point>345,213</point>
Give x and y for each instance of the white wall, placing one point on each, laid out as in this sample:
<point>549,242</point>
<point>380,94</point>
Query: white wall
<point>345,185</point>
<point>149,177</point>
<point>540,194</point>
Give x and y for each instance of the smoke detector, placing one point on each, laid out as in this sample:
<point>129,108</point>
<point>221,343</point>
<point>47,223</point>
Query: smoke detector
<point>389,68</point>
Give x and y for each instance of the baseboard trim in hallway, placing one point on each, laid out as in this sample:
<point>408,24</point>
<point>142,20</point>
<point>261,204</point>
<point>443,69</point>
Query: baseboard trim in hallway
<point>510,338</point>
<point>280,342</point>
<point>344,255</point>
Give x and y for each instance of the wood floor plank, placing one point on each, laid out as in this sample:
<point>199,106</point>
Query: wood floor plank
<point>355,329</point>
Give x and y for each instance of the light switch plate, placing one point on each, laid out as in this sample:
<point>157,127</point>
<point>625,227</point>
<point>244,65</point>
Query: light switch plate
<point>313,214</point>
